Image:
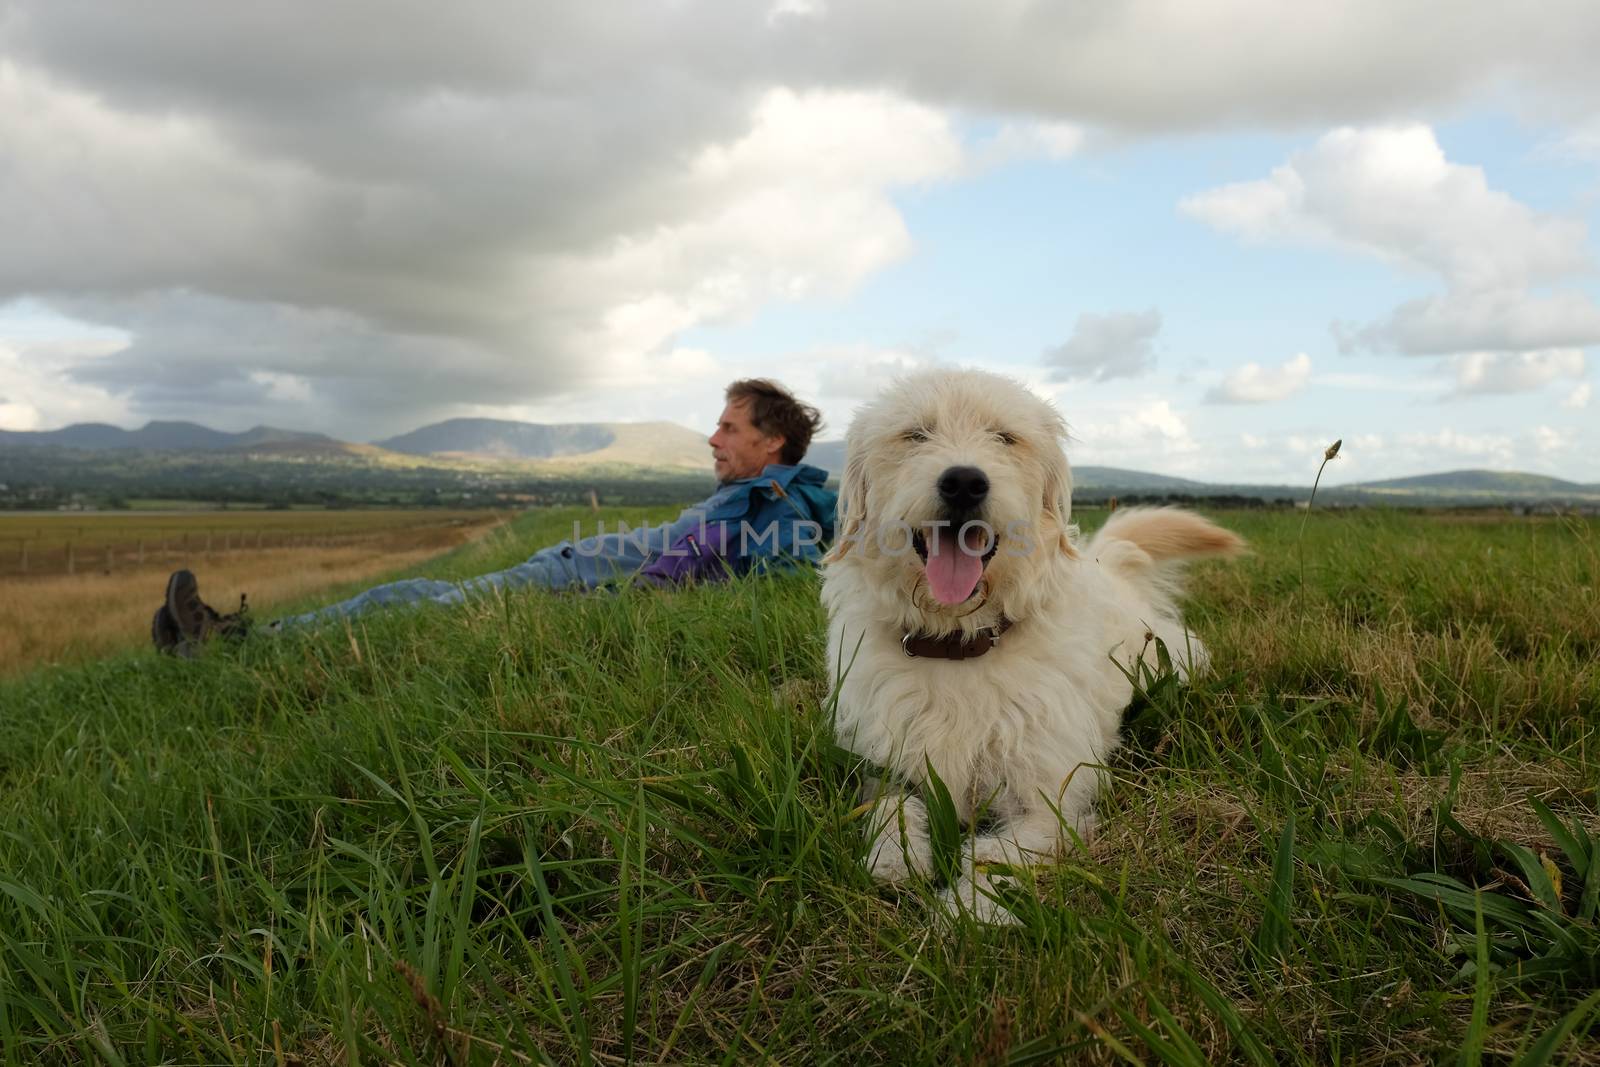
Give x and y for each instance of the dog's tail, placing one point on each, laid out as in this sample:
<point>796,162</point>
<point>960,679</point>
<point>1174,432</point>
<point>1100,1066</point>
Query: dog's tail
<point>1136,542</point>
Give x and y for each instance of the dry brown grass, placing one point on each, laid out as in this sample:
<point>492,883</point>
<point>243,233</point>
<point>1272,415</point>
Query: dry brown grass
<point>72,618</point>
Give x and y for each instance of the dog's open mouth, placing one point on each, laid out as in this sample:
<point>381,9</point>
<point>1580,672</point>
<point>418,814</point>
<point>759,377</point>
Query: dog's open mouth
<point>954,559</point>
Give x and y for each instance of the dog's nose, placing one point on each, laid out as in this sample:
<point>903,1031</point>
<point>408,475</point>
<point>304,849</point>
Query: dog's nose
<point>963,488</point>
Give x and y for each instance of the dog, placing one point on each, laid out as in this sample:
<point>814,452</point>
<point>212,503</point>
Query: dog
<point>970,630</point>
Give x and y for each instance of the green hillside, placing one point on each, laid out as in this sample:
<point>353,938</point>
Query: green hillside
<point>612,829</point>
<point>1507,483</point>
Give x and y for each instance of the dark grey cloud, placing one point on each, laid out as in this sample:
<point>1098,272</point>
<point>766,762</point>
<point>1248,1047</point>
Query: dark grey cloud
<point>418,205</point>
<point>221,359</point>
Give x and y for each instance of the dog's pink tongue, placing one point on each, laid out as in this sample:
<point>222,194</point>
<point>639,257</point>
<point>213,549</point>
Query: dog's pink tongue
<point>952,573</point>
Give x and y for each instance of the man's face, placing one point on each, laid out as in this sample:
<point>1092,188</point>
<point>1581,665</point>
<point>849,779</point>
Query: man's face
<point>738,449</point>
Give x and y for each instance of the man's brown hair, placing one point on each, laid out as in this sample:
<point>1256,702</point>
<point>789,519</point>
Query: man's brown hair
<point>775,412</point>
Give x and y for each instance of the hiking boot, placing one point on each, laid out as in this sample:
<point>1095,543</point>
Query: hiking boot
<point>185,622</point>
<point>192,615</point>
<point>164,631</point>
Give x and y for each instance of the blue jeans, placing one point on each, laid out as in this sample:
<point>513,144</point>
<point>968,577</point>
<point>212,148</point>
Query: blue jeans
<point>556,567</point>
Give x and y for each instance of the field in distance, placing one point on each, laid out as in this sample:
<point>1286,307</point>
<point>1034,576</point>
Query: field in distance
<point>71,542</point>
<point>79,585</point>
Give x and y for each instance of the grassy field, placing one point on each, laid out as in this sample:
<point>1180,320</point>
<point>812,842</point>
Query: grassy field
<point>612,828</point>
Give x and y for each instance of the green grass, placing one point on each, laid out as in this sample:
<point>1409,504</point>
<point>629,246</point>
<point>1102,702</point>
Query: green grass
<point>612,828</point>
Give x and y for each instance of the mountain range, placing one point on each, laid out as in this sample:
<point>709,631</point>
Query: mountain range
<point>483,444</point>
<point>160,436</point>
<point>656,445</point>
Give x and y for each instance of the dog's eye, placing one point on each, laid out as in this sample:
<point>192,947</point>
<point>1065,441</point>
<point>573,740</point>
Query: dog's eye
<point>916,437</point>
<point>1007,439</point>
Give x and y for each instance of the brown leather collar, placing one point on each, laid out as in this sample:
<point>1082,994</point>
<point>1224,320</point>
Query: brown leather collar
<point>956,645</point>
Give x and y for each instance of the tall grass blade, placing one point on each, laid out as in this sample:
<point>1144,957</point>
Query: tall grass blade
<point>1478,1026</point>
<point>1543,1051</point>
<point>1272,935</point>
<point>944,826</point>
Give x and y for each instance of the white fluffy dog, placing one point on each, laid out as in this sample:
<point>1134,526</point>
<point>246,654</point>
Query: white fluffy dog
<point>969,630</point>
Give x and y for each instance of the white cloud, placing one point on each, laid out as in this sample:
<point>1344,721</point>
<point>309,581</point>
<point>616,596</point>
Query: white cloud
<point>1120,344</point>
<point>1581,142</point>
<point>1145,433</point>
<point>35,394</point>
<point>283,388</point>
<point>1547,439</point>
<point>1578,399</point>
<point>853,373</point>
<point>1254,384</point>
<point>1454,446</point>
<point>1503,319</point>
<point>1018,141</point>
<point>1364,443</point>
<point>1389,192</point>
<point>1515,372</point>
<point>797,207</point>
<point>682,384</point>
<point>1373,383</point>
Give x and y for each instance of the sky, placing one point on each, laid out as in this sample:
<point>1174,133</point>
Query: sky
<point>1217,234</point>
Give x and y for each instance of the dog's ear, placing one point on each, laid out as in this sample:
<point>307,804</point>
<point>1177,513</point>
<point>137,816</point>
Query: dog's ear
<point>1058,496</point>
<point>851,518</point>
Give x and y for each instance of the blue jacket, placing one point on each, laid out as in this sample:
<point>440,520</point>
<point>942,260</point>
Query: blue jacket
<point>782,517</point>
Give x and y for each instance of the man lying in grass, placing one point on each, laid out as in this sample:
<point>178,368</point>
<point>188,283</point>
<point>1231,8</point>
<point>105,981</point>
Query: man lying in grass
<point>769,510</point>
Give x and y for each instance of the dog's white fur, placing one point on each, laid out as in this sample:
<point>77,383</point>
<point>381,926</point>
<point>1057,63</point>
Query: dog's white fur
<point>1016,735</point>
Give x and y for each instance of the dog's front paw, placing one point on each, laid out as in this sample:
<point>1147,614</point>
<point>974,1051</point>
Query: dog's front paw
<point>897,842</point>
<point>993,850</point>
<point>977,895</point>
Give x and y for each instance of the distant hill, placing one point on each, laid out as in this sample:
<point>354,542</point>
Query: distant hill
<point>644,444</point>
<point>500,438</point>
<point>90,457</point>
<point>647,444</point>
<point>1499,483</point>
<point>157,436</point>
<point>1142,481</point>
<point>658,445</point>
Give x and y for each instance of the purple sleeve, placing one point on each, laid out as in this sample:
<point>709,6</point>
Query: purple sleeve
<point>698,556</point>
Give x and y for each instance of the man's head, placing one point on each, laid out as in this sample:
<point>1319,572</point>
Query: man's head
<point>761,423</point>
